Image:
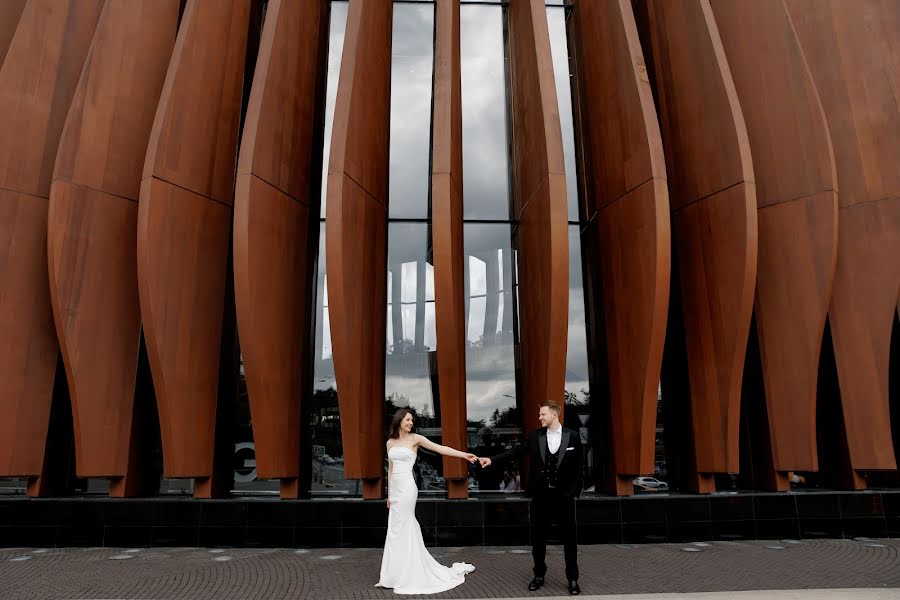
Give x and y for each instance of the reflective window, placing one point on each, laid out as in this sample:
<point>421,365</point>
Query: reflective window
<point>322,408</point>
<point>577,384</point>
<point>578,387</point>
<point>411,378</point>
<point>494,419</point>
<point>411,336</point>
<point>335,52</point>
<point>559,49</point>
<point>485,139</point>
<point>412,66</point>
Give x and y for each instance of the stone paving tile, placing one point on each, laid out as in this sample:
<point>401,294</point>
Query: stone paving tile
<point>501,572</point>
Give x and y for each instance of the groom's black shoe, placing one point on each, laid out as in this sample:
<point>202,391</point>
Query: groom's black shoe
<point>574,590</point>
<point>535,584</point>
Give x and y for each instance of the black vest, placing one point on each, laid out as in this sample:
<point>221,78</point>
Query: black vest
<point>550,468</point>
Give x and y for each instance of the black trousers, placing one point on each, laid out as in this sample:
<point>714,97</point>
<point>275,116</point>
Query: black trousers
<point>553,513</point>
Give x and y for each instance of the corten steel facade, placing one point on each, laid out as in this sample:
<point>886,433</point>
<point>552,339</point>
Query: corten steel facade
<point>238,231</point>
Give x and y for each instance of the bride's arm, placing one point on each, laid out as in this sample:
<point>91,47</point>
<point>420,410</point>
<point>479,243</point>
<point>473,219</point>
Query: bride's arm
<point>423,441</point>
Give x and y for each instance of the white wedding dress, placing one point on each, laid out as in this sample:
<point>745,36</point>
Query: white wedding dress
<point>406,565</point>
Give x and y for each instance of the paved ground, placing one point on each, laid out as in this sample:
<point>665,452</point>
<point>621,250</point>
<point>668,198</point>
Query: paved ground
<point>255,574</point>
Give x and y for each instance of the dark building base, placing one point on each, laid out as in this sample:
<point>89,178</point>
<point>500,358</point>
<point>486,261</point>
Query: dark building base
<point>269,522</point>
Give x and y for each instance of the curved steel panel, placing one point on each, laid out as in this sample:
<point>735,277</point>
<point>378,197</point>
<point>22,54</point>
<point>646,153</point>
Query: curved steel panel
<point>184,219</point>
<point>92,229</point>
<point>355,237</point>
<point>796,195</point>
<point>194,136</point>
<point>626,181</point>
<point>38,78</point>
<point>714,221</point>
<point>10,13</point>
<point>181,256</point>
<point>851,50</point>
<point>271,227</point>
<point>542,237</point>
<point>447,238</point>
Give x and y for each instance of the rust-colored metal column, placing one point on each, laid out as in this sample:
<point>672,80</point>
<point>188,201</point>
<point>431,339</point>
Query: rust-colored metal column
<point>10,13</point>
<point>39,77</point>
<point>714,225</point>
<point>852,54</point>
<point>796,194</point>
<point>540,207</point>
<point>625,180</point>
<point>447,239</point>
<point>355,237</point>
<point>184,223</point>
<point>271,231</point>
<point>92,233</point>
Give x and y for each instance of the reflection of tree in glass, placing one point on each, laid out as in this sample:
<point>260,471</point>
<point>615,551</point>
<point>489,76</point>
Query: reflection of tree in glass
<point>506,417</point>
<point>404,346</point>
<point>572,399</point>
<point>326,422</point>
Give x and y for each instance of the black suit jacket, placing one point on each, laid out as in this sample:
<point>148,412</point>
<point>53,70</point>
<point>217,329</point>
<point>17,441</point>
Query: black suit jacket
<point>570,459</point>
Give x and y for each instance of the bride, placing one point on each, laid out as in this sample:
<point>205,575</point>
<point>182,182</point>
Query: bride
<point>406,565</point>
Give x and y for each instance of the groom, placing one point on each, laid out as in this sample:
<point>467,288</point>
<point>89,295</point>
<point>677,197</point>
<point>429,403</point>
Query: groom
<point>554,481</point>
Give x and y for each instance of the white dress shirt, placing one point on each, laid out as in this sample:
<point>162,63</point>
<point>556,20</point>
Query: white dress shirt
<point>554,438</point>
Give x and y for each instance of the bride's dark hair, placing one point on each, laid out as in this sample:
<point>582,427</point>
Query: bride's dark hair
<point>395,422</point>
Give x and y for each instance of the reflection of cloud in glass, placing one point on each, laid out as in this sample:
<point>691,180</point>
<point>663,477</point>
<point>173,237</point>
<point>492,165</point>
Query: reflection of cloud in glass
<point>412,64</point>
<point>412,391</point>
<point>484,397</point>
<point>335,52</point>
<point>490,359</point>
<point>559,49</point>
<point>409,356</point>
<point>576,358</point>
<point>485,149</point>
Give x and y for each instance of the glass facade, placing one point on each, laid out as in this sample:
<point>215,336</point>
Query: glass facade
<point>336,29</point>
<point>484,67</point>
<point>412,68</point>
<point>321,408</point>
<point>557,19</point>
<point>495,421</point>
<point>492,239</point>
<point>494,418</point>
